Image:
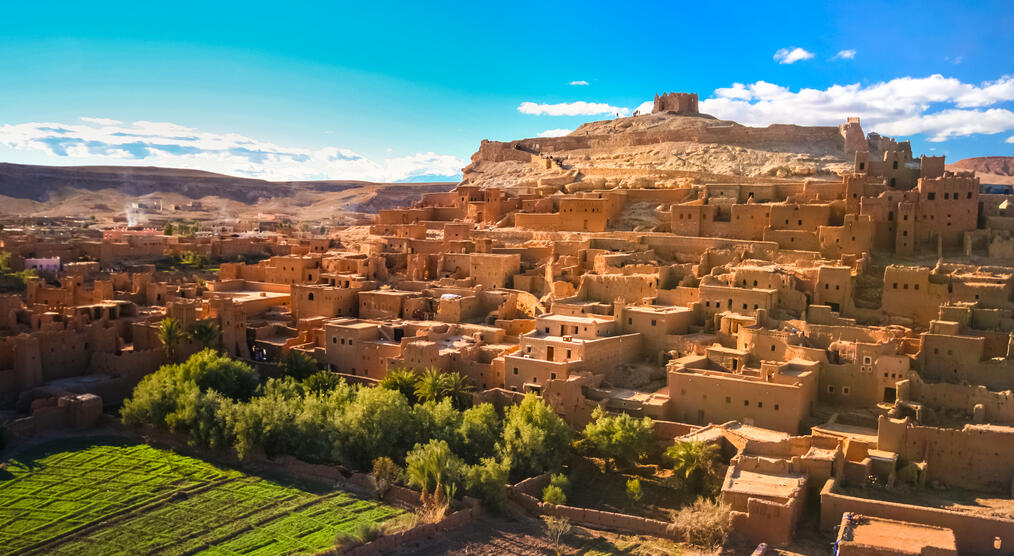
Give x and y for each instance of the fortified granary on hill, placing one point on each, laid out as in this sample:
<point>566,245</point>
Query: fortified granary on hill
<point>832,321</point>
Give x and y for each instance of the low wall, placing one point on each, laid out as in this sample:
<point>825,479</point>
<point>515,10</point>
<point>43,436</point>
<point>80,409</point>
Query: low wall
<point>522,494</point>
<point>974,534</point>
<point>417,534</point>
<point>80,411</point>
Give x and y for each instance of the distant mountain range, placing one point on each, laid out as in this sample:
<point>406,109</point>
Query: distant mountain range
<point>107,190</point>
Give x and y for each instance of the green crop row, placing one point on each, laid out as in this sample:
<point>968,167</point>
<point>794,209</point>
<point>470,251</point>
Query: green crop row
<point>139,499</point>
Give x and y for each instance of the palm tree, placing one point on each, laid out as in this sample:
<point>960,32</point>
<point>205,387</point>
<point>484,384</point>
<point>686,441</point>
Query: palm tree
<point>299,365</point>
<point>455,386</point>
<point>431,464</point>
<point>430,387</point>
<point>171,334</point>
<point>402,380</point>
<point>207,333</point>
<point>697,462</point>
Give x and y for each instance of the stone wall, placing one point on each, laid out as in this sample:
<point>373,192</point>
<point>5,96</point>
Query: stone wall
<point>522,493</point>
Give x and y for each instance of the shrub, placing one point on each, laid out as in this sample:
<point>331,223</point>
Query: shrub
<point>487,481</point>
<point>556,528</point>
<point>386,473</point>
<point>705,523</point>
<point>634,490</point>
<point>553,494</point>
<point>560,480</point>
<point>367,531</point>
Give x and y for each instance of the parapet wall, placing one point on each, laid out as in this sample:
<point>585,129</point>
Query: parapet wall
<point>974,534</point>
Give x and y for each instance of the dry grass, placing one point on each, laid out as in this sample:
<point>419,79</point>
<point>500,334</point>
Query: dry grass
<point>705,523</point>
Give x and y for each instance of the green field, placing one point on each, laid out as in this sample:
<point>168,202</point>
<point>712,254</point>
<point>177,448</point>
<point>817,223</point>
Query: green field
<point>111,496</point>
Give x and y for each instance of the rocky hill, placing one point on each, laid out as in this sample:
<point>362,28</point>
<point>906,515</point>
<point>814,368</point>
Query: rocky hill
<point>665,149</point>
<point>989,169</point>
<point>107,190</point>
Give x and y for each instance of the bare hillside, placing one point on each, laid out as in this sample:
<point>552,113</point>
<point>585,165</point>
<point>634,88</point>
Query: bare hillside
<point>663,149</point>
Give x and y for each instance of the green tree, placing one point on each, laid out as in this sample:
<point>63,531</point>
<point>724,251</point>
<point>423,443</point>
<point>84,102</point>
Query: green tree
<point>211,370</point>
<point>534,438</point>
<point>478,432</point>
<point>697,463</point>
<point>171,334</point>
<point>376,423</point>
<point>433,467</point>
<point>298,364</point>
<point>621,439</point>
<point>438,421</point>
<point>401,380</point>
<point>168,229</point>
<point>207,333</point>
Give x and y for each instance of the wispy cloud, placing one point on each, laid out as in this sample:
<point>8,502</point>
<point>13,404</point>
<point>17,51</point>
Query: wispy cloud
<point>954,59</point>
<point>844,55</point>
<point>939,106</point>
<point>792,55</point>
<point>1010,139</point>
<point>102,140</point>
<point>582,82</point>
<point>555,132</point>
<point>579,108</point>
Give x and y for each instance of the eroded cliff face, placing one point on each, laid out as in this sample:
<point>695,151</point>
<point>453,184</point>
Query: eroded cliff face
<point>662,150</point>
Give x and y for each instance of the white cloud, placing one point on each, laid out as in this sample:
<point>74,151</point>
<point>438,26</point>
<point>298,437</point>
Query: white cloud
<point>100,140</point>
<point>792,55</point>
<point>1010,139</point>
<point>579,108</point>
<point>555,132</point>
<point>582,82</point>
<point>844,55</point>
<point>940,106</point>
<point>645,107</point>
<point>100,121</point>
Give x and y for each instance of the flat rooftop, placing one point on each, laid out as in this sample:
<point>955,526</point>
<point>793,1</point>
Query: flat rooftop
<point>768,485</point>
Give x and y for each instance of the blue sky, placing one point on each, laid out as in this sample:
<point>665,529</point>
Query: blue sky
<point>391,91</point>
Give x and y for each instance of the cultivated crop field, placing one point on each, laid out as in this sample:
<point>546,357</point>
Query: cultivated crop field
<point>112,496</point>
